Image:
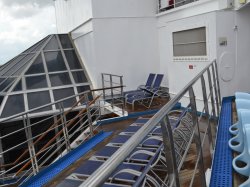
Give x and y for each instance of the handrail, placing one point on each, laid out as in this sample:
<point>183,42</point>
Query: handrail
<point>44,134</point>
<point>54,124</point>
<point>53,103</point>
<point>54,138</point>
<point>106,169</point>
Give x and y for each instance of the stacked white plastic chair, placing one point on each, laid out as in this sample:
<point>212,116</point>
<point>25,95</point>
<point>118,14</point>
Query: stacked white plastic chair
<point>241,140</point>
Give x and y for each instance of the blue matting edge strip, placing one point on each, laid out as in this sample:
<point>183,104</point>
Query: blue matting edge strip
<point>135,114</point>
<point>54,169</point>
<point>222,162</point>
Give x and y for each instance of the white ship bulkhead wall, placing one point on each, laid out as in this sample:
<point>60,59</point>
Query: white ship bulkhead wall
<point>178,71</point>
<point>123,41</point>
<point>128,47</point>
<point>72,13</point>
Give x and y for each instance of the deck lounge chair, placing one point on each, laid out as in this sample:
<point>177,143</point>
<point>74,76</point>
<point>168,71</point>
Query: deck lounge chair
<point>140,88</point>
<point>146,94</point>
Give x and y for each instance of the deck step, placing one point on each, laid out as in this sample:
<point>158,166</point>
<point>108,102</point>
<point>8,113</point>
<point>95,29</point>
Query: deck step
<point>222,162</point>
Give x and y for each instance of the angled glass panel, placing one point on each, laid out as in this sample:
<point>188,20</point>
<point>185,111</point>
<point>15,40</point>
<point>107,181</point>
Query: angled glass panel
<point>37,66</point>
<point>65,41</point>
<point>36,82</point>
<point>14,105</point>
<point>18,67</point>
<point>72,60</point>
<point>34,102</point>
<point>6,84</point>
<point>52,44</point>
<point>54,61</point>
<point>1,80</point>
<point>59,79</point>
<point>1,99</point>
<point>79,77</point>
<point>37,46</point>
<point>18,87</point>
<point>82,89</point>
<point>63,93</point>
<point>11,64</point>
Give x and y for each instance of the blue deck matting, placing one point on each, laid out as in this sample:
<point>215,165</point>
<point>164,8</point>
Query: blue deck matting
<point>54,169</point>
<point>222,162</point>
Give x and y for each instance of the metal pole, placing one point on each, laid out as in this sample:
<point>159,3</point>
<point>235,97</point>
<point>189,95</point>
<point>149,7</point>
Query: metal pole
<point>123,99</point>
<point>205,100</point>
<point>218,83</point>
<point>89,116</point>
<point>215,90</point>
<point>65,130</point>
<point>169,149</point>
<point>211,92</point>
<point>31,147</point>
<point>103,86</point>
<point>197,137</point>
<point>112,93</point>
<point>58,143</point>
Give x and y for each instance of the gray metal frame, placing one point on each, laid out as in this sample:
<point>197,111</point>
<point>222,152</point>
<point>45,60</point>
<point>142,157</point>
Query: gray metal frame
<point>8,91</point>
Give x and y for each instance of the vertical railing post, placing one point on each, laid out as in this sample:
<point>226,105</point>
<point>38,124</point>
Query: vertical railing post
<point>211,93</point>
<point>29,137</point>
<point>103,85</point>
<point>111,89</point>
<point>123,99</point>
<point>64,127</point>
<point>197,137</point>
<point>89,115</point>
<point>216,91</point>
<point>207,115</point>
<point>58,144</point>
<point>217,78</point>
<point>169,149</point>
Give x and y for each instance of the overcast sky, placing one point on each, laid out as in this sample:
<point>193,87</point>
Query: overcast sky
<point>23,23</point>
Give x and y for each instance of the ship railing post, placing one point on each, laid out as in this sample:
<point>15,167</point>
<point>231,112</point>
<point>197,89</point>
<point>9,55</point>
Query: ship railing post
<point>64,127</point>
<point>123,99</point>
<point>217,80</point>
<point>211,93</point>
<point>207,114</point>
<point>215,91</point>
<point>103,86</point>
<point>112,91</point>
<point>169,149</point>
<point>32,152</point>
<point>89,115</point>
<point>197,138</point>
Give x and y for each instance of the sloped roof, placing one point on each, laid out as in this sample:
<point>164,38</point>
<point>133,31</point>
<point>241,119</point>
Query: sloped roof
<point>49,70</point>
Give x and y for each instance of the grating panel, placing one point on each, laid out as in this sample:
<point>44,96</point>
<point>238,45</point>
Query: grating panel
<point>222,162</point>
<point>54,169</point>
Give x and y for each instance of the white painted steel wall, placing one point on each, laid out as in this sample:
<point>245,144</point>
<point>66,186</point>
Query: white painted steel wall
<point>124,8</point>
<point>179,72</point>
<point>122,39</point>
<point>128,47</point>
<point>72,13</point>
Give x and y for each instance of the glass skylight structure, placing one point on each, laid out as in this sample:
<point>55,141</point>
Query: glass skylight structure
<point>48,71</point>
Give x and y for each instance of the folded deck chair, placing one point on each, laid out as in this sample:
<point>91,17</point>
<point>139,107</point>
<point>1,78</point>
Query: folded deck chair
<point>140,88</point>
<point>145,94</point>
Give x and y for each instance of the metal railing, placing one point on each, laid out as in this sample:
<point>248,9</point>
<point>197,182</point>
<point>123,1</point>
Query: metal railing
<point>34,143</point>
<point>206,82</point>
<point>165,5</point>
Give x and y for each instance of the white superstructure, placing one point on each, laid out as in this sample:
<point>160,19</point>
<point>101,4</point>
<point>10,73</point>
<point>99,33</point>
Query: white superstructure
<point>132,38</point>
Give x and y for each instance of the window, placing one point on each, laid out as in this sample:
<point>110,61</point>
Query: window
<point>190,43</point>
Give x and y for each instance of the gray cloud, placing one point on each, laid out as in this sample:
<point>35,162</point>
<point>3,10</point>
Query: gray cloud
<point>25,8</point>
<point>40,3</point>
